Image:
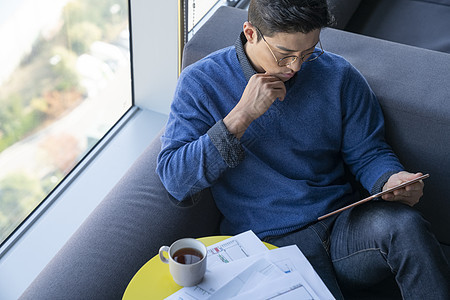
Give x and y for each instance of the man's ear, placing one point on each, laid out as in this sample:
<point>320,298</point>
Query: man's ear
<point>250,33</point>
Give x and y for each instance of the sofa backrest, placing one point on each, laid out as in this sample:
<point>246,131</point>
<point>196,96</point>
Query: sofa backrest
<point>412,85</point>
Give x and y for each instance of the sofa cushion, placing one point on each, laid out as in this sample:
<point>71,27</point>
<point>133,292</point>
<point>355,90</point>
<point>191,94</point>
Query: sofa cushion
<point>422,24</point>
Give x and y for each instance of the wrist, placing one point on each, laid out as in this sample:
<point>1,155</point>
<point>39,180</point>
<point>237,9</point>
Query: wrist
<point>381,182</point>
<point>237,123</point>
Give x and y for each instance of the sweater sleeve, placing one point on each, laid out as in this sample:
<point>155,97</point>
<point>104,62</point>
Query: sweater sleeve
<point>227,144</point>
<point>196,146</point>
<point>364,148</point>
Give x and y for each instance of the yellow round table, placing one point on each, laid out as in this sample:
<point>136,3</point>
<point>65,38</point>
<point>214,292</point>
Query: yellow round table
<point>153,280</point>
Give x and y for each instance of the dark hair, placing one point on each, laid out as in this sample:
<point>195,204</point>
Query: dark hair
<point>273,16</point>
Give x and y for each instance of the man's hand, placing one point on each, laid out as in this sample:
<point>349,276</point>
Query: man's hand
<point>410,194</point>
<point>261,91</point>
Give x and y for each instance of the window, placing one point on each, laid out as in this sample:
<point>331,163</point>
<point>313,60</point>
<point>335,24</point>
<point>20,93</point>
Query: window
<point>196,10</point>
<point>65,81</point>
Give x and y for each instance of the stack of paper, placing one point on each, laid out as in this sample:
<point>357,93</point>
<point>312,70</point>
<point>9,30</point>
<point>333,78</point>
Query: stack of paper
<point>241,267</point>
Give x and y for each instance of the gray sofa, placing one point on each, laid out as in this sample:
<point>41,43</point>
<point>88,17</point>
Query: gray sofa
<point>420,23</point>
<point>138,215</point>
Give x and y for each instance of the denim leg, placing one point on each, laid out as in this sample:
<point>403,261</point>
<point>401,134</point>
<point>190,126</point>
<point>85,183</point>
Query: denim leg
<point>379,239</point>
<point>314,242</point>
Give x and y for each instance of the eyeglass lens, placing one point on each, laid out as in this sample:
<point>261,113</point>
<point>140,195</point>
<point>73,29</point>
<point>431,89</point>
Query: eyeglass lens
<point>305,58</point>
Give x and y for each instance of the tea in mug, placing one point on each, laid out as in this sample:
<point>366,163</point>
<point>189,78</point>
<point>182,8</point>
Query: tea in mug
<point>187,261</point>
<point>187,256</point>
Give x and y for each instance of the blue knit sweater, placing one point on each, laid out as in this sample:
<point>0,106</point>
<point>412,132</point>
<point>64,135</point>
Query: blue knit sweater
<point>289,166</point>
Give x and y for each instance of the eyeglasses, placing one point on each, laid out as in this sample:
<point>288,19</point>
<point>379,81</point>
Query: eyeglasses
<point>288,60</point>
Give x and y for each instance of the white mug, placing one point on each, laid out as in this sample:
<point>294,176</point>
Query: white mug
<point>187,261</point>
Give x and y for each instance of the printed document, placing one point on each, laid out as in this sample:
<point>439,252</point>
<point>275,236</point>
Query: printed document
<point>242,267</point>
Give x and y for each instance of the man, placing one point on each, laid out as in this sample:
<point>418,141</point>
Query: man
<point>271,126</point>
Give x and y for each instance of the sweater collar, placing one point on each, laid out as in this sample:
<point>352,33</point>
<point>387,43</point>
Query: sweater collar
<point>247,68</point>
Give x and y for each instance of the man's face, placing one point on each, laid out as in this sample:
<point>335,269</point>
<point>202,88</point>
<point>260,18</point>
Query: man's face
<point>265,54</point>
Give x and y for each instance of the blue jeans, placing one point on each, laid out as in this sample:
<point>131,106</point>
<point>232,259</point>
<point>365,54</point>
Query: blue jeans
<point>371,243</point>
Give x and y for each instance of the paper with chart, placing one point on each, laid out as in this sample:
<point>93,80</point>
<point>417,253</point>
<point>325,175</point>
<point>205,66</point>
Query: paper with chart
<point>234,248</point>
<point>242,267</point>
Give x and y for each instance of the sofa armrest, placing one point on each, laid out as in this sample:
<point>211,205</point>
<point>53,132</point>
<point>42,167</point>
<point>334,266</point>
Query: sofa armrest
<point>123,233</point>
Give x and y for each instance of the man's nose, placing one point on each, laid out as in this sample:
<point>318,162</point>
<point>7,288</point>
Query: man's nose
<point>296,65</point>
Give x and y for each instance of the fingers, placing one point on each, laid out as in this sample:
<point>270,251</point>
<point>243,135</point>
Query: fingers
<point>272,86</point>
<point>408,199</point>
<point>260,93</point>
<point>405,176</point>
<point>401,177</point>
<point>278,90</point>
<point>272,90</point>
<point>410,194</point>
<point>405,195</point>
